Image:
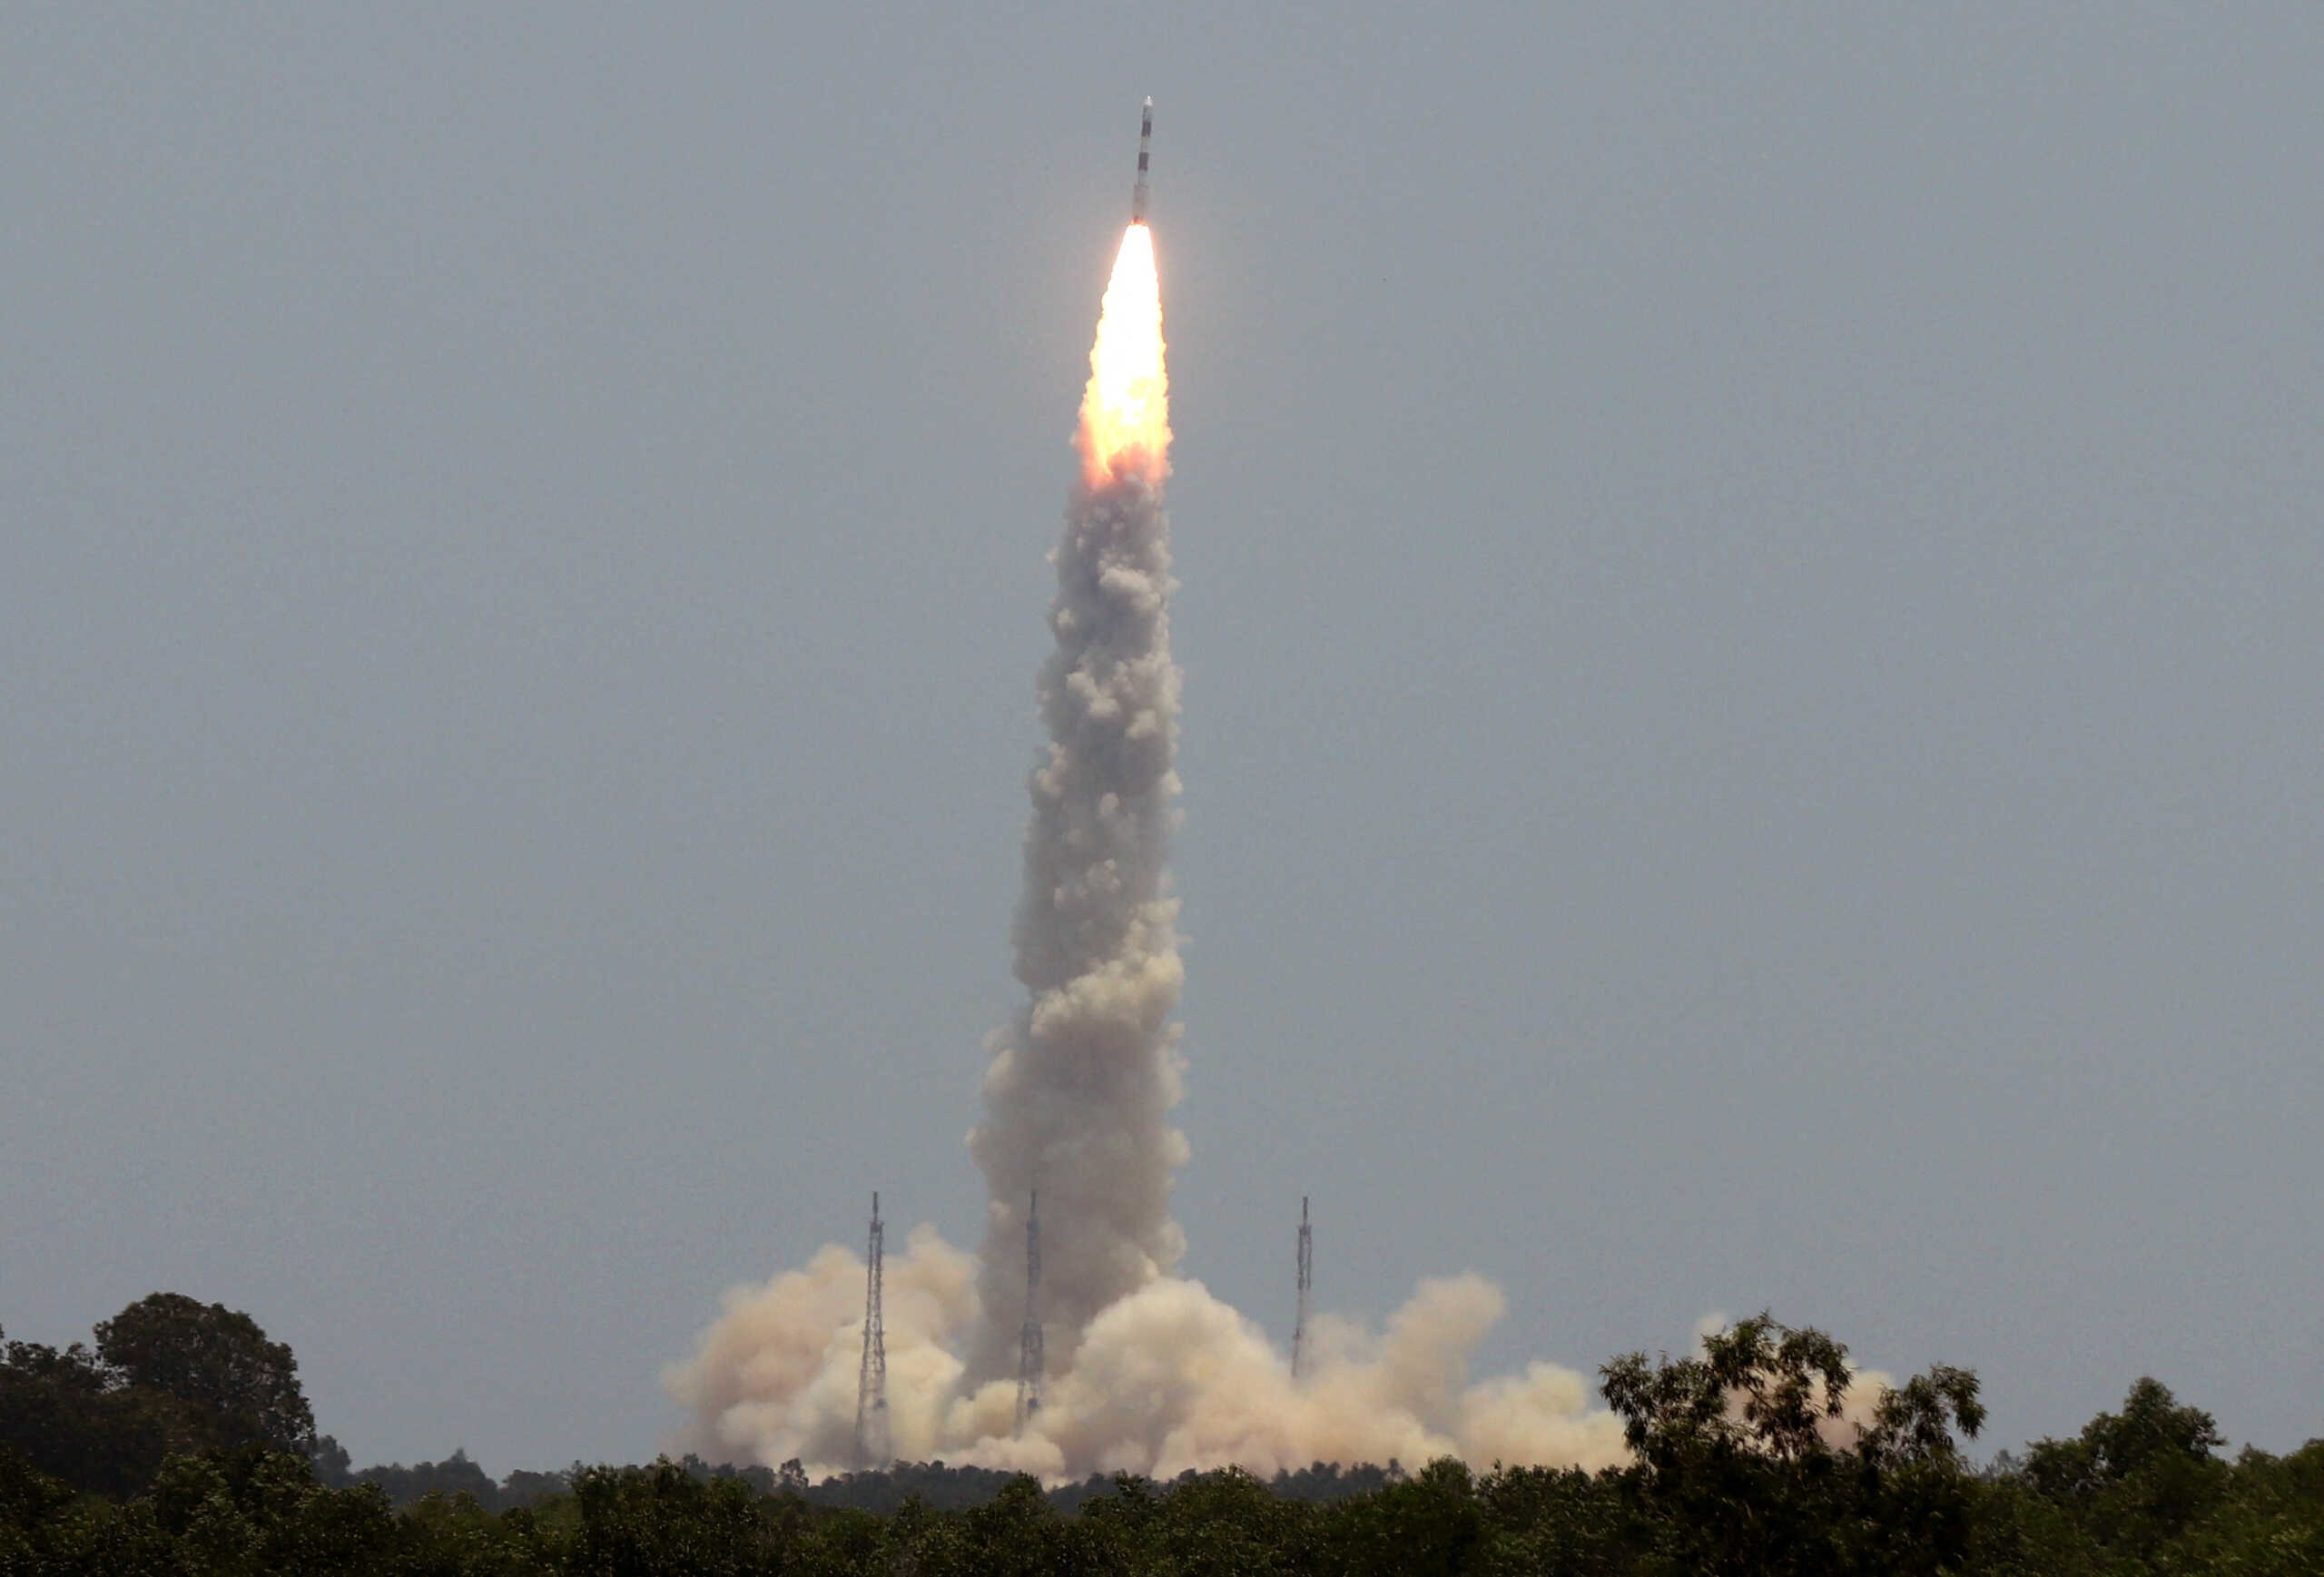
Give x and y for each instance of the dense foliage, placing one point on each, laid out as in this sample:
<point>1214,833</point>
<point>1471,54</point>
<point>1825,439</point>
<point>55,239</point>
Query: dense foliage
<point>168,1376</point>
<point>148,1457</point>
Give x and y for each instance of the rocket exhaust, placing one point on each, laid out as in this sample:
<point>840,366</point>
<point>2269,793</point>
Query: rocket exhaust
<point>1119,1361</point>
<point>1079,1088</point>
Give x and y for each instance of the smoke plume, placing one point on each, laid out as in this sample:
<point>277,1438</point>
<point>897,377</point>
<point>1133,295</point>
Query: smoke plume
<point>1079,1088</point>
<point>1164,1379</point>
<point>1146,1371</point>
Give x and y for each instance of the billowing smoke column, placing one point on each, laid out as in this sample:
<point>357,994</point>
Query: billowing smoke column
<point>1147,1372</point>
<point>1080,1090</point>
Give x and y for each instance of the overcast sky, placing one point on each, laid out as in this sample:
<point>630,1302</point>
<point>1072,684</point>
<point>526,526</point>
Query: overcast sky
<point>1751,600</point>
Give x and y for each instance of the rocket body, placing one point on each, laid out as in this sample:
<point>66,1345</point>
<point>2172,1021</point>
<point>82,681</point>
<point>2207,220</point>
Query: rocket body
<point>1137,193</point>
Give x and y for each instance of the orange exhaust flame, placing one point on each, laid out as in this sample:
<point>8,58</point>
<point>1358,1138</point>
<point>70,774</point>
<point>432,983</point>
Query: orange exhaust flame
<point>1126,412</point>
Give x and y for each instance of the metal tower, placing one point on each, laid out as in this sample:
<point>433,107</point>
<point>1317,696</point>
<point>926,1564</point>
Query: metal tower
<point>1028,1348</point>
<point>1306,1280</point>
<point>871,1383</point>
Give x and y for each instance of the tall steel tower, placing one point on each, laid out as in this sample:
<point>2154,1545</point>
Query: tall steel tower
<point>1028,1348</point>
<point>1306,1280</point>
<point>871,1383</point>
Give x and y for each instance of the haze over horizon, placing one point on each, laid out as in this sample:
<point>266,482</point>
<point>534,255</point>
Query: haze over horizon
<point>1752,727</point>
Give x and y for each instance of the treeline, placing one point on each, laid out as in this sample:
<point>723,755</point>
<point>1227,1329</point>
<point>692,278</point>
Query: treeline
<point>1742,1465</point>
<point>931,1485</point>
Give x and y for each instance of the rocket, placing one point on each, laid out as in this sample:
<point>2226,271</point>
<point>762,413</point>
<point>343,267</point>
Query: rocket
<point>1144,146</point>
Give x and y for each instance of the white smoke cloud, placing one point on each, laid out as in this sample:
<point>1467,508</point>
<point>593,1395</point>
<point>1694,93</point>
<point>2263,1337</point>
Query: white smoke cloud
<point>1167,1378</point>
<point>776,1377</point>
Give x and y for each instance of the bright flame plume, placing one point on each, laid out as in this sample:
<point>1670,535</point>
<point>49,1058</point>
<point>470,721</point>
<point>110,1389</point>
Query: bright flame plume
<point>1125,411</point>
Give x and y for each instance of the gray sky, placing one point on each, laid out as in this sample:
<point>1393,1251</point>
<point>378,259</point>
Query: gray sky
<point>1751,599</point>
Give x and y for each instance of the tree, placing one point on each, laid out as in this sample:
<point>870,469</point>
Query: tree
<point>1759,1386</point>
<point>2134,1480</point>
<point>255,1509</point>
<point>28,1498</point>
<point>1017,1533</point>
<point>216,1360</point>
<point>72,1418</point>
<point>1745,1465</point>
<point>457,1474</point>
<point>1219,1524</point>
<point>332,1464</point>
<point>1551,1519</point>
<point>1430,1526</point>
<point>1914,1423</point>
<point>662,1521</point>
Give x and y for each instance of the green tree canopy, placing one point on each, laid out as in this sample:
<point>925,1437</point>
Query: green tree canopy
<point>1745,1465</point>
<point>216,1360</point>
<point>2134,1480</point>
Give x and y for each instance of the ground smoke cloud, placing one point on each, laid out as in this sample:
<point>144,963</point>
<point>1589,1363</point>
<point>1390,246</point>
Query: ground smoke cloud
<point>1164,1379</point>
<point>1146,1371</point>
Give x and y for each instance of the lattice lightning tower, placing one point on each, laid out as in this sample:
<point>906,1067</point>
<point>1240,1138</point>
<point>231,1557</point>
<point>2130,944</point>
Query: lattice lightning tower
<point>1306,1280</point>
<point>1028,1348</point>
<point>871,1449</point>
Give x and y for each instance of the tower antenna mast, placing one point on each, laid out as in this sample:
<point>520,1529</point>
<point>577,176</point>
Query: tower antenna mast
<point>1306,1280</point>
<point>1029,1345</point>
<point>871,1449</point>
